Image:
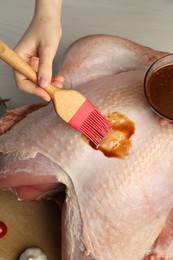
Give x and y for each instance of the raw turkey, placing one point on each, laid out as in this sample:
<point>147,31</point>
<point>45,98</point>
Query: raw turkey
<point>114,209</point>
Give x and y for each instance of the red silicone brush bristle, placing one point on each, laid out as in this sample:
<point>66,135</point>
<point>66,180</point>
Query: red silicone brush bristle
<point>90,122</point>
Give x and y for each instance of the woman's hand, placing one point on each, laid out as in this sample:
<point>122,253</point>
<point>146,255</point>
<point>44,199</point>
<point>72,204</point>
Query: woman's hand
<point>38,47</point>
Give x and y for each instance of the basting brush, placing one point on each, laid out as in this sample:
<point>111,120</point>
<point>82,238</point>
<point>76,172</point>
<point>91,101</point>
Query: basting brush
<point>73,107</point>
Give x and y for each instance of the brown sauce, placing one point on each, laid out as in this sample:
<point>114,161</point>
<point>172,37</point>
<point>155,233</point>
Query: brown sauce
<point>159,91</point>
<point>117,142</point>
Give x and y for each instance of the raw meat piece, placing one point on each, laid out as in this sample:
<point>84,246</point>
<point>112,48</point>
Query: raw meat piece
<point>114,208</point>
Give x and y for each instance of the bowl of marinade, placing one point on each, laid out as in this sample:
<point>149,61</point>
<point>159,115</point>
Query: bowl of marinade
<point>158,86</point>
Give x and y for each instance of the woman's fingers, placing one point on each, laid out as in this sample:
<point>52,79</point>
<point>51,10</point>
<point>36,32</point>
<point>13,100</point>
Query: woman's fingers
<point>26,85</point>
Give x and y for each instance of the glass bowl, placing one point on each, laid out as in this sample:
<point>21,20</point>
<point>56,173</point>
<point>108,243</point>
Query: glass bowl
<point>158,87</point>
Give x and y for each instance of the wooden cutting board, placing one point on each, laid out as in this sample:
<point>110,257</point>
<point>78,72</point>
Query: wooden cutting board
<point>30,224</point>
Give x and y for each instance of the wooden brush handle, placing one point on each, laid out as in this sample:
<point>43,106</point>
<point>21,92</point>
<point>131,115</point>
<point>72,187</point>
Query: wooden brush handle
<point>17,63</point>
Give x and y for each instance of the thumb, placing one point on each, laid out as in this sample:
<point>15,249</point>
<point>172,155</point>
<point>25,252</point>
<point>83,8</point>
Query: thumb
<point>46,56</point>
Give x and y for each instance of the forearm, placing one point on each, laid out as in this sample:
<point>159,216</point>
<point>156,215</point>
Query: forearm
<point>48,9</point>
